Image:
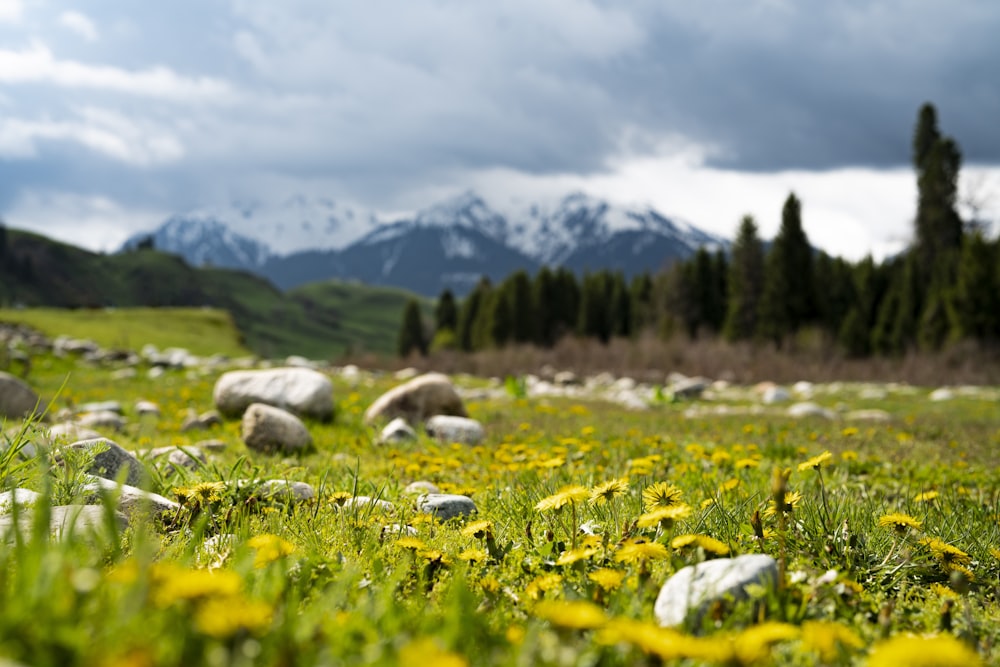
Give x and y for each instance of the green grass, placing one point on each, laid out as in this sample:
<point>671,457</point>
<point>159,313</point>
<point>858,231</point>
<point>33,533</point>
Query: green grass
<point>315,584</point>
<point>203,331</point>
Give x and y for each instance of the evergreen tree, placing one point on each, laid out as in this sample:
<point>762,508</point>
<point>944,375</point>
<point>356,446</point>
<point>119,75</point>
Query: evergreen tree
<point>787,301</point>
<point>683,301</point>
<point>3,242</point>
<point>522,308</point>
<point>975,302</point>
<point>641,300</point>
<point>925,135</point>
<point>716,313</point>
<point>619,311</point>
<point>567,303</point>
<point>853,334</point>
<point>746,279</point>
<point>500,322</point>
<point>446,313</point>
<point>594,321</point>
<point>938,225</point>
<point>546,306</point>
<point>411,332</point>
<point>470,314</point>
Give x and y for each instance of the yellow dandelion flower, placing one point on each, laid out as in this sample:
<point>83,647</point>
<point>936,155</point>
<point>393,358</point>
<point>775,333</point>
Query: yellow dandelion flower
<point>849,432</point>
<point>899,522</point>
<point>183,494</point>
<point>635,552</point>
<point>956,569</point>
<point>995,553</point>
<point>924,651</point>
<point>709,544</point>
<point>175,584</point>
<point>608,491</point>
<point>410,542</point>
<point>925,497</point>
<point>754,644</point>
<point>478,529</point>
<point>827,638</point>
<point>573,615</point>
<point>792,499</point>
<point>721,457</point>
<point>543,584</point>
<point>434,556</point>
<point>746,463</point>
<point>207,492</point>
<point>945,553</point>
<point>816,462</point>
<point>269,548</point>
<point>661,494</point>
<point>338,498</point>
<point>729,485</point>
<point>564,496</point>
<point>574,555</point>
<point>944,591</point>
<point>607,578</point>
<point>664,516</point>
<point>426,651</point>
<point>223,618</point>
<point>473,555</point>
<point>490,585</point>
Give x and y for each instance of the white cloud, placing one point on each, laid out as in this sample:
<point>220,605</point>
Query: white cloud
<point>10,11</point>
<point>93,222</point>
<point>80,24</point>
<point>103,131</point>
<point>37,64</point>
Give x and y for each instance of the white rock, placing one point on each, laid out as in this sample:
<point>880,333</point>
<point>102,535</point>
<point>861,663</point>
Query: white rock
<point>446,428</point>
<point>420,487</point>
<point>285,490</point>
<point>104,419</point>
<point>100,406</point>
<point>690,387</point>
<point>416,400</point>
<point>130,499</point>
<point>775,394</point>
<point>397,431</point>
<point>147,408</point>
<point>296,361</point>
<point>942,394</point>
<point>66,521</point>
<point>803,389</point>
<point>445,505</point>
<point>873,394</point>
<point>810,410</point>
<point>71,432</point>
<point>270,429</point>
<point>364,502</point>
<point>302,391</point>
<point>693,588</point>
<point>405,374</point>
<point>879,416</point>
<point>17,497</point>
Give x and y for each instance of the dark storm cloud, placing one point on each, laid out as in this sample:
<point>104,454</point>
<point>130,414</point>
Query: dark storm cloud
<point>186,100</point>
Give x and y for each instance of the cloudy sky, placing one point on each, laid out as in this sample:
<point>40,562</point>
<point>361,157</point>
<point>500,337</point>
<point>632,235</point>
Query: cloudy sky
<point>115,114</point>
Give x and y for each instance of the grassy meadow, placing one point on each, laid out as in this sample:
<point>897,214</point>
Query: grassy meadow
<point>888,535</point>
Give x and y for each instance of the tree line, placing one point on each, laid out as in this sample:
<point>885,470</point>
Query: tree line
<point>944,287</point>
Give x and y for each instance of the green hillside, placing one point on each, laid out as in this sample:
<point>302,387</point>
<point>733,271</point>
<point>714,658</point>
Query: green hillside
<point>321,321</point>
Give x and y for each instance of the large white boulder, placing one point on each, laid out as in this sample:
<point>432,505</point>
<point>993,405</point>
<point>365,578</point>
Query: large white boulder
<point>270,429</point>
<point>692,589</point>
<point>416,400</point>
<point>302,391</point>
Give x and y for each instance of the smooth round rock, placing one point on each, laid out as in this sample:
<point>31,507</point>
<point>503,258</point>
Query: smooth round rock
<point>270,429</point>
<point>418,399</point>
<point>301,391</point>
<point>445,505</point>
<point>446,428</point>
<point>692,589</point>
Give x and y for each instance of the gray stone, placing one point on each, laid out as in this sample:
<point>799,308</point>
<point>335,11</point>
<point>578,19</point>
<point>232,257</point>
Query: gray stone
<point>405,374</point>
<point>364,502</point>
<point>446,428</point>
<point>397,431</point>
<point>807,409</point>
<point>100,406</point>
<point>301,391</point>
<point>213,445</point>
<point>942,394</point>
<point>130,500</point>
<point>204,421</point>
<point>565,379</point>
<point>690,387</point>
<point>445,505</point>
<point>105,419</point>
<point>191,458</point>
<point>147,408</point>
<point>774,394</point>
<point>17,497</point>
<point>421,487</point>
<point>65,521</point>
<point>416,400</point>
<point>71,432</point>
<point>124,374</point>
<point>297,361</point>
<point>871,415</point>
<point>17,399</point>
<point>285,490</point>
<point>108,463</point>
<point>270,429</point>
<point>692,589</point>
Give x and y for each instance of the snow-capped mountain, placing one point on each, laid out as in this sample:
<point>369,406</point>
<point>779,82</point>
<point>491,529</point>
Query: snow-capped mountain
<point>203,240</point>
<point>452,243</point>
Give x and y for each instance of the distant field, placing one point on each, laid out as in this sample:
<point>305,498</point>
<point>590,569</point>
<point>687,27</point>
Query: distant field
<point>203,331</point>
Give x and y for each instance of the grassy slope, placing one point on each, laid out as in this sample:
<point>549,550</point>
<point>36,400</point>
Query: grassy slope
<point>202,331</point>
<point>320,321</point>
